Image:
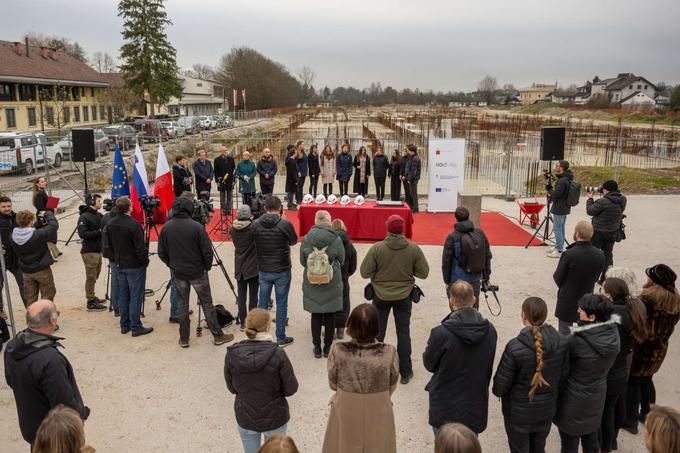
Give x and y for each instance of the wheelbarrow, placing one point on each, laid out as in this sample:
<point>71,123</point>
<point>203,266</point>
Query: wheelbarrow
<point>529,209</point>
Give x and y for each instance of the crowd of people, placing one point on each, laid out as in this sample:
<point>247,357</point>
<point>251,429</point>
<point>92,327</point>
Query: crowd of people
<point>591,376</point>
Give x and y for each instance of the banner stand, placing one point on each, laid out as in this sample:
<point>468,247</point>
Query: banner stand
<point>446,170</point>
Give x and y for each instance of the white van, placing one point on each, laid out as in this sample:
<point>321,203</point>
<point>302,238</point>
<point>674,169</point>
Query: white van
<point>24,151</point>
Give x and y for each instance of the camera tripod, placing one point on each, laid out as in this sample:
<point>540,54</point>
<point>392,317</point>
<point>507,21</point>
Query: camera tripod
<point>547,236</point>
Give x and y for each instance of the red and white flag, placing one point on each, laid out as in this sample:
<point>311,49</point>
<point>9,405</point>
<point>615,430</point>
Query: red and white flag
<point>235,98</point>
<point>162,187</point>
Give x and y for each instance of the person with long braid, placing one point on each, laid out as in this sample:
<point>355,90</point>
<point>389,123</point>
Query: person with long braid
<point>528,379</point>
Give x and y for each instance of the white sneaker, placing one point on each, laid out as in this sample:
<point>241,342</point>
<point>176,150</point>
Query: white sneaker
<point>551,250</point>
<point>554,254</point>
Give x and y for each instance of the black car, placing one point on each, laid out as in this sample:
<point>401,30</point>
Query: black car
<point>121,134</point>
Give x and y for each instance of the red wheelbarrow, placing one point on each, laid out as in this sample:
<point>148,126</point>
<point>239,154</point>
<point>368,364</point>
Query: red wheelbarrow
<point>529,209</point>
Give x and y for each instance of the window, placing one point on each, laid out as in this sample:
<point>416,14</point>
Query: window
<point>7,92</point>
<point>31,116</point>
<point>67,115</point>
<point>63,93</point>
<point>199,84</point>
<point>639,87</point>
<point>75,93</point>
<point>82,91</point>
<point>46,92</point>
<point>94,113</point>
<point>86,113</point>
<point>11,118</point>
<point>102,112</point>
<point>49,114</point>
<point>76,114</point>
<point>92,94</point>
<point>26,92</point>
<point>630,87</point>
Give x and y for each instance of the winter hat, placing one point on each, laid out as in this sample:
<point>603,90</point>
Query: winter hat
<point>243,212</point>
<point>395,224</point>
<point>611,185</point>
<point>663,276</point>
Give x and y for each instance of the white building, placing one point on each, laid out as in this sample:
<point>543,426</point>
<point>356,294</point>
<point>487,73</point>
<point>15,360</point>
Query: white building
<point>627,85</point>
<point>638,100</point>
<point>199,97</point>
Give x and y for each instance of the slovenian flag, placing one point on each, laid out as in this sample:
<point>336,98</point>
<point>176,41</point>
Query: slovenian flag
<point>140,186</point>
<point>120,186</point>
<point>162,187</point>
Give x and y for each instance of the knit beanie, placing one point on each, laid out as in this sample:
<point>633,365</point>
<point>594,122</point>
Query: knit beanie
<point>611,185</point>
<point>395,224</point>
<point>663,276</point>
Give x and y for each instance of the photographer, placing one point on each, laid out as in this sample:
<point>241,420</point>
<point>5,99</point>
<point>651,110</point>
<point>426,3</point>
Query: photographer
<point>30,244</point>
<point>181,176</point>
<point>184,246</point>
<point>224,177</point>
<point>607,213</point>
<point>90,233</point>
<point>246,172</point>
<point>561,208</point>
<point>466,255</point>
<point>267,169</point>
<point>124,241</point>
<point>204,174</point>
<point>8,220</point>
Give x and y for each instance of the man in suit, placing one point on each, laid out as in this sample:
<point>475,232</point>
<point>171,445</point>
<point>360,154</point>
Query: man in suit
<point>203,171</point>
<point>224,177</point>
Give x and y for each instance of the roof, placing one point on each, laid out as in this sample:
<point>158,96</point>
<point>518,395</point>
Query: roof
<point>635,94</point>
<point>538,87</point>
<point>44,65</point>
<point>115,79</point>
<point>625,81</point>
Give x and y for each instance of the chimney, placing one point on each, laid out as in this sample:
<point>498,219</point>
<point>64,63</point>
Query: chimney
<point>17,47</point>
<point>26,39</point>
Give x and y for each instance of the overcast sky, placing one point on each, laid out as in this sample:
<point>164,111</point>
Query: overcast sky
<point>429,44</point>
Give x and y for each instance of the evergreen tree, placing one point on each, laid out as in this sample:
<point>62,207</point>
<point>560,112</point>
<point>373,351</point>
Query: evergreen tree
<point>674,101</point>
<point>149,63</point>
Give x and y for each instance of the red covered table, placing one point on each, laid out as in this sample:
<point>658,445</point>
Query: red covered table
<point>363,222</point>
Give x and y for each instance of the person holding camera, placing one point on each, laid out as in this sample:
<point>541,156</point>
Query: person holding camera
<point>224,177</point>
<point>559,195</point>
<point>124,239</point>
<point>30,243</point>
<point>467,254</point>
<point>246,172</point>
<point>181,176</point>
<point>267,169</point>
<point>460,354</point>
<point>607,214</point>
<point>204,174</point>
<point>8,221</point>
<point>90,233</point>
<point>40,199</point>
<point>393,265</point>
<point>184,246</point>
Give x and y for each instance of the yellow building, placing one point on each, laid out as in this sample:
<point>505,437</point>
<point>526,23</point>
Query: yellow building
<point>536,92</point>
<point>44,89</point>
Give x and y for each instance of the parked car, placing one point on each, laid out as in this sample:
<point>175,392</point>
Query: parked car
<point>150,130</point>
<point>22,151</point>
<point>207,122</point>
<point>102,145</point>
<point>191,124</point>
<point>174,129</point>
<point>219,120</point>
<point>121,134</point>
<point>228,122</point>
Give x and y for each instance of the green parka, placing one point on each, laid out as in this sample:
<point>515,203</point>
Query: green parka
<point>323,298</point>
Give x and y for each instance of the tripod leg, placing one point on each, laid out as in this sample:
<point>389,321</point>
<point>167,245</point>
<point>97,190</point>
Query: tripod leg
<point>73,233</point>
<point>167,288</point>
<point>199,329</point>
<point>538,230</point>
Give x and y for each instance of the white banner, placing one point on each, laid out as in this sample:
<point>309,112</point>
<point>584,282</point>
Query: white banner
<point>446,168</point>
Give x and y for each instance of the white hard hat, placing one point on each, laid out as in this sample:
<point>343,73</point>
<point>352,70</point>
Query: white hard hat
<point>307,198</point>
<point>332,199</point>
<point>345,200</point>
<point>359,200</point>
<point>320,199</point>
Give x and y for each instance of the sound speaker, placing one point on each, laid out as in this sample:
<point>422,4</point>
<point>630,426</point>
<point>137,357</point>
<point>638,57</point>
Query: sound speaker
<point>83,145</point>
<point>552,143</point>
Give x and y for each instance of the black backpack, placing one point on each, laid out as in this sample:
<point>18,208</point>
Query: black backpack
<point>472,252</point>
<point>224,318</point>
<point>574,193</point>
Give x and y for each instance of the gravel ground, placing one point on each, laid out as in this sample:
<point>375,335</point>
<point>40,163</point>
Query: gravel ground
<point>146,394</point>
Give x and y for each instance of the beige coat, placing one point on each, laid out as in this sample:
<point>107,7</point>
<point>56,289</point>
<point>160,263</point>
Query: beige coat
<point>361,419</point>
<point>327,169</point>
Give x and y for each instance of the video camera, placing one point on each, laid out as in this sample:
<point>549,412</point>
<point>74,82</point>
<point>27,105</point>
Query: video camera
<point>592,189</point>
<point>549,178</point>
<point>485,287</point>
<point>108,204</point>
<point>149,204</point>
<point>203,210</point>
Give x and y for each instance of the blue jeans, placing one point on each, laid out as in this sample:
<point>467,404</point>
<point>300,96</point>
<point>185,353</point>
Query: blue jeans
<point>252,439</point>
<point>558,222</point>
<point>131,282</point>
<point>174,298</point>
<point>281,283</point>
<point>114,286</point>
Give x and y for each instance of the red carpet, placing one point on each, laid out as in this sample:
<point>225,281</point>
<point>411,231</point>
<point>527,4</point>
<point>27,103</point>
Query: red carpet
<point>431,229</point>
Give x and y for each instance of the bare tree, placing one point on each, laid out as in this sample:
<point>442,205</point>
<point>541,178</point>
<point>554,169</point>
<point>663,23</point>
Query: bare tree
<point>103,62</point>
<point>54,106</point>
<point>57,43</point>
<point>306,76</point>
<point>487,87</point>
<point>203,71</point>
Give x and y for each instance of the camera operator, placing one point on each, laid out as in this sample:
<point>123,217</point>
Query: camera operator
<point>7,224</point>
<point>246,172</point>
<point>204,174</point>
<point>560,209</point>
<point>466,255</point>
<point>30,244</point>
<point>184,246</point>
<point>181,176</point>
<point>607,213</point>
<point>111,212</point>
<point>90,233</point>
<point>267,169</point>
<point>124,240</point>
<point>224,177</point>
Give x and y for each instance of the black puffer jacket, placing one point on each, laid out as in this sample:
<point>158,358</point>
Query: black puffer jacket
<point>460,353</point>
<point>183,244</point>
<point>30,245</point>
<point>7,225</point>
<point>515,371</point>
<point>592,350</point>
<point>607,212</point>
<point>41,378</point>
<point>124,239</point>
<point>245,256</point>
<point>577,271</point>
<point>90,230</point>
<point>380,165</point>
<point>261,376</point>
<point>313,164</point>
<point>106,248</point>
<point>181,179</point>
<point>560,193</point>
<point>273,237</point>
<point>267,167</point>
<point>618,374</point>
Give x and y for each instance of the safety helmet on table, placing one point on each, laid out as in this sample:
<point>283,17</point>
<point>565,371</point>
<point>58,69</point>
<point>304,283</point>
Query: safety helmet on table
<point>307,198</point>
<point>359,200</point>
<point>345,200</point>
<point>320,199</point>
<point>332,199</point>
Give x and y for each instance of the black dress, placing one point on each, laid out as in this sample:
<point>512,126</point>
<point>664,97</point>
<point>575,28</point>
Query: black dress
<point>394,171</point>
